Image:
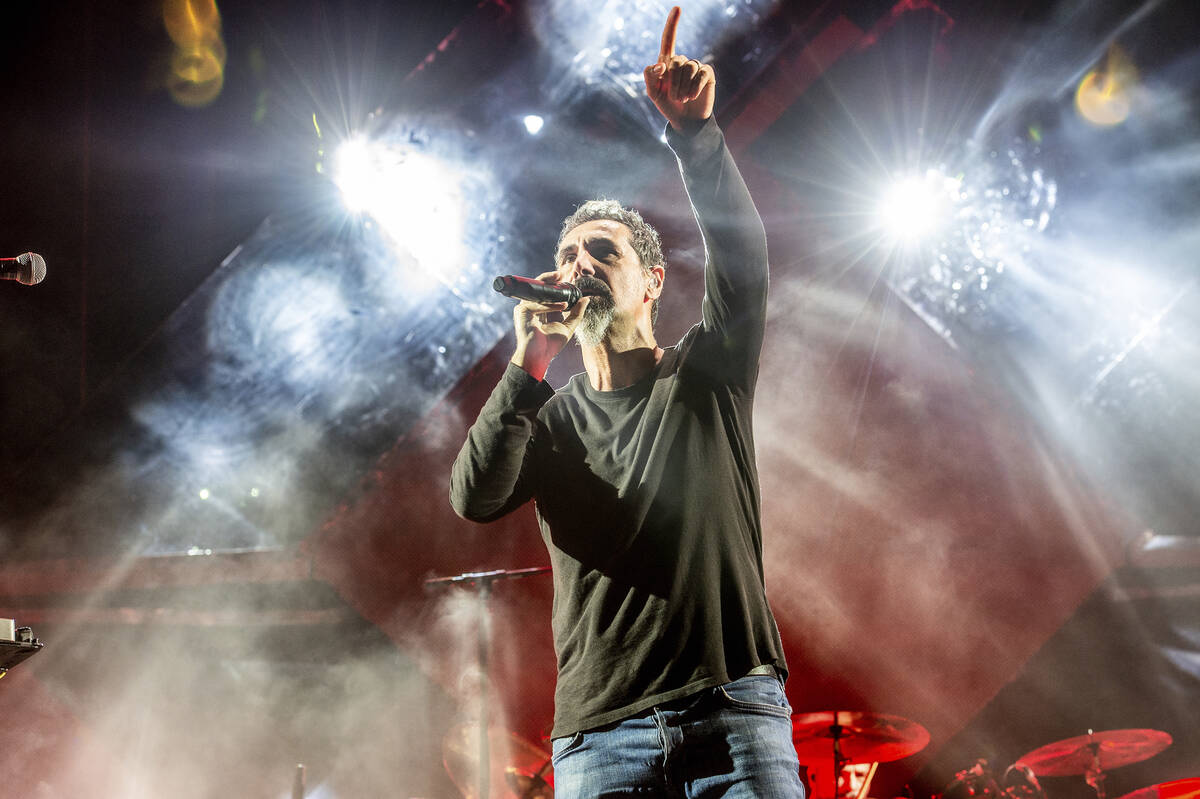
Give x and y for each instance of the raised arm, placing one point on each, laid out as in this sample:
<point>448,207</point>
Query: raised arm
<point>735,243</point>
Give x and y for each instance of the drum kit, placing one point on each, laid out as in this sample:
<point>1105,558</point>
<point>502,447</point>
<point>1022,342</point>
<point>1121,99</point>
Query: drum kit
<point>840,750</point>
<point>1089,756</point>
<point>851,741</point>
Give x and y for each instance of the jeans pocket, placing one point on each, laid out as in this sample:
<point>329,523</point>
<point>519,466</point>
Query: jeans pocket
<point>756,694</point>
<point>560,747</point>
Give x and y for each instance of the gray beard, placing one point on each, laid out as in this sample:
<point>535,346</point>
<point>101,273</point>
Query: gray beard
<point>598,317</point>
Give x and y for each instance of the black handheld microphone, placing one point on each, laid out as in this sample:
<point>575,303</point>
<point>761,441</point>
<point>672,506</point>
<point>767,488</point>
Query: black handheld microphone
<point>526,288</point>
<point>27,269</point>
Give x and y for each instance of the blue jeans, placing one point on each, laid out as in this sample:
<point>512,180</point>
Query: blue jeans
<point>731,741</point>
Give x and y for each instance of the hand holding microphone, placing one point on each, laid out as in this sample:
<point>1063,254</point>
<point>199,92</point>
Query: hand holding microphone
<point>542,332</point>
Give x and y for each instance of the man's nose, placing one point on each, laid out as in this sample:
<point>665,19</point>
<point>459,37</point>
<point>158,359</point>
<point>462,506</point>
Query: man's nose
<point>583,265</point>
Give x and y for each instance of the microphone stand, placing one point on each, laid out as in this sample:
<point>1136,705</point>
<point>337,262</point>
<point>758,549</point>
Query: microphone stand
<point>483,640</point>
<point>298,788</point>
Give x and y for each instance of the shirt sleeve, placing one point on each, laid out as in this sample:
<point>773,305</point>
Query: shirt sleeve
<point>491,475</point>
<point>735,252</point>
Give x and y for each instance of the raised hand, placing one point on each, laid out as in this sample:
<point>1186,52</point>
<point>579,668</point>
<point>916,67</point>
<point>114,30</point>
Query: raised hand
<point>683,89</point>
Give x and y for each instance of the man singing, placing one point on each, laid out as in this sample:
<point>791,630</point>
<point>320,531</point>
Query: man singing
<point>670,666</point>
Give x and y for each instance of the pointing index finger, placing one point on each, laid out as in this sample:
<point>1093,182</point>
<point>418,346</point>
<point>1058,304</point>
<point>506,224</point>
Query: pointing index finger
<point>667,49</point>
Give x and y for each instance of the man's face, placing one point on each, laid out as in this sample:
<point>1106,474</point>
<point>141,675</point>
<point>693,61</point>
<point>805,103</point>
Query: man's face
<point>599,255</point>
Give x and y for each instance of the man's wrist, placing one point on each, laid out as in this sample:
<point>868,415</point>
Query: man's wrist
<point>697,141</point>
<point>534,367</point>
<point>687,127</point>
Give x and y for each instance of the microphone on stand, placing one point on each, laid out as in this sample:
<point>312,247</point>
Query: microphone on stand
<point>526,288</point>
<point>28,269</point>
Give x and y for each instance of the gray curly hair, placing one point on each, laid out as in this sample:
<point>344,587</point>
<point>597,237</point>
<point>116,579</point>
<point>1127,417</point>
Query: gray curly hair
<point>645,239</point>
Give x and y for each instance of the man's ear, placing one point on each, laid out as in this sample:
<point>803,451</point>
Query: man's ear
<point>654,285</point>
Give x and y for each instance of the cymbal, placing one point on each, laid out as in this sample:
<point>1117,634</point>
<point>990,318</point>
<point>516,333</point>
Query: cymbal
<point>1175,789</point>
<point>1113,748</point>
<point>510,754</point>
<point>863,737</point>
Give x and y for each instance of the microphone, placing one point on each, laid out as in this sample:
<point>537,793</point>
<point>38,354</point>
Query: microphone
<point>526,288</point>
<point>27,269</point>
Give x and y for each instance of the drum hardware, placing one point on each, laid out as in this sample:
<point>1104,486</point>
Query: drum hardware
<point>1094,754</point>
<point>845,737</point>
<point>516,764</point>
<point>483,582</point>
<point>1021,783</point>
<point>298,788</point>
<point>1175,789</point>
<point>528,786</point>
<point>979,782</point>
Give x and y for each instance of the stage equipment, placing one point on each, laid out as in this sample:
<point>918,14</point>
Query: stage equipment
<point>1175,789</point>
<point>847,737</point>
<point>979,782</point>
<point>16,644</point>
<point>916,206</point>
<point>1095,753</point>
<point>976,782</point>
<point>529,786</point>
<point>526,288</point>
<point>483,581</point>
<point>1021,783</point>
<point>533,124</point>
<point>298,789</point>
<point>525,775</point>
<point>28,269</point>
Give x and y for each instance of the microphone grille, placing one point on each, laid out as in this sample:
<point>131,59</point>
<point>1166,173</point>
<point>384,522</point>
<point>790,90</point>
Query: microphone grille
<point>33,268</point>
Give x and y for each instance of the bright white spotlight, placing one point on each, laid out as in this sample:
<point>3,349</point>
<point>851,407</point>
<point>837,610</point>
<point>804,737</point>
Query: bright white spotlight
<point>356,174</point>
<point>533,124</point>
<point>416,198</point>
<point>915,206</point>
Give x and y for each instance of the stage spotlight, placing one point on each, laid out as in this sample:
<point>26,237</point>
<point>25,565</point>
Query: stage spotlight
<point>987,227</point>
<point>914,206</point>
<point>356,176</point>
<point>416,198</point>
<point>533,124</point>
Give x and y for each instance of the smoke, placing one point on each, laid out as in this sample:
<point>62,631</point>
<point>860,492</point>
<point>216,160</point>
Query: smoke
<point>219,707</point>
